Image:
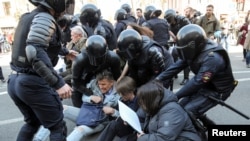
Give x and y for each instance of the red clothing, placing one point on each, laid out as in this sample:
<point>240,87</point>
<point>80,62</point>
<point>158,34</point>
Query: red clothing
<point>9,38</point>
<point>243,37</point>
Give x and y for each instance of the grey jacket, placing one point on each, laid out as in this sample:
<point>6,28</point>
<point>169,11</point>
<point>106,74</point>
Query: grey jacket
<point>111,101</point>
<point>170,122</point>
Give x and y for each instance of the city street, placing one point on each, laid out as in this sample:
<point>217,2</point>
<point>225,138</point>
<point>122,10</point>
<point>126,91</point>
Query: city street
<point>11,119</point>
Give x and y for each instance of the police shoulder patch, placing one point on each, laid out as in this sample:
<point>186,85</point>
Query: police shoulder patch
<point>206,76</point>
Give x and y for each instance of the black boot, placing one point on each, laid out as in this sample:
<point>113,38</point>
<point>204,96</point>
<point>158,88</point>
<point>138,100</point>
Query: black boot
<point>3,80</point>
<point>206,121</point>
<point>184,81</point>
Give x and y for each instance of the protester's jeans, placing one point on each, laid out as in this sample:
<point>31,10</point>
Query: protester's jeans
<point>248,58</point>
<point>77,134</point>
<point>224,42</point>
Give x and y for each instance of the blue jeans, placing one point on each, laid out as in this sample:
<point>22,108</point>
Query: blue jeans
<point>224,43</point>
<point>248,57</point>
<point>77,134</point>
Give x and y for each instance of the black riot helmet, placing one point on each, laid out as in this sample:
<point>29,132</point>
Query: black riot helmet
<point>58,6</point>
<point>191,39</point>
<point>170,15</point>
<point>129,44</point>
<point>120,14</point>
<point>96,48</point>
<point>65,20</point>
<point>150,11</point>
<point>126,7</point>
<point>90,14</point>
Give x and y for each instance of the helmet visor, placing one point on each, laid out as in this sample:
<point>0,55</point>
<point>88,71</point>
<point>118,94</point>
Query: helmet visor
<point>170,19</point>
<point>96,61</point>
<point>130,52</point>
<point>186,52</point>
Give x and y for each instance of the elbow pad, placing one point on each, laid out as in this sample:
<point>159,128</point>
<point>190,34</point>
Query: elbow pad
<point>30,53</point>
<point>42,70</point>
<point>157,59</point>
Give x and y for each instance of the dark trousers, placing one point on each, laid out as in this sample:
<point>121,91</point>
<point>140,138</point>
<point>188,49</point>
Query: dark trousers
<point>117,128</point>
<point>1,74</point>
<point>186,72</point>
<point>244,53</point>
<point>199,103</point>
<point>39,104</point>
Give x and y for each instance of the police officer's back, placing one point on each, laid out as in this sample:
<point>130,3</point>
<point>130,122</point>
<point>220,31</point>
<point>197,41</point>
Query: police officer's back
<point>157,25</point>
<point>121,21</point>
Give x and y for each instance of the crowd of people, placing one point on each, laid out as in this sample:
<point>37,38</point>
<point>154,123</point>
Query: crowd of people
<point>129,61</point>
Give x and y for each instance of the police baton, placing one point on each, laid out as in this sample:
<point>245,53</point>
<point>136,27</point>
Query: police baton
<point>221,102</point>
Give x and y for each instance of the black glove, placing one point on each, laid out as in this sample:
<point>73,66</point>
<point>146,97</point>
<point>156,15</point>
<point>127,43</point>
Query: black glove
<point>157,59</point>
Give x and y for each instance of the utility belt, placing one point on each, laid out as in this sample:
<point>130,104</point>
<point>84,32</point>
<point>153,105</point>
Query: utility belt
<point>21,73</point>
<point>15,72</point>
<point>224,95</point>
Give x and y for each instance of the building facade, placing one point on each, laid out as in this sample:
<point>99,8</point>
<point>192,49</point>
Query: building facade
<point>11,10</point>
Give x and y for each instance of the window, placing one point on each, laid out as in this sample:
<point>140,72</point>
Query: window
<point>6,8</point>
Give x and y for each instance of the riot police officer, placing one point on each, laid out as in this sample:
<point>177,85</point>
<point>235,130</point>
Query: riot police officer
<point>157,25</point>
<point>34,85</point>
<point>128,9</point>
<point>92,60</point>
<point>121,21</point>
<point>146,58</point>
<point>66,22</point>
<point>211,65</point>
<point>93,24</point>
<point>176,23</point>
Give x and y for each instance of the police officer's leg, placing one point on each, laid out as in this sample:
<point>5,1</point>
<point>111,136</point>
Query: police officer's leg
<point>32,124</point>
<point>186,76</point>
<point>199,103</point>
<point>46,104</point>
<point>51,115</point>
<point>175,57</point>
